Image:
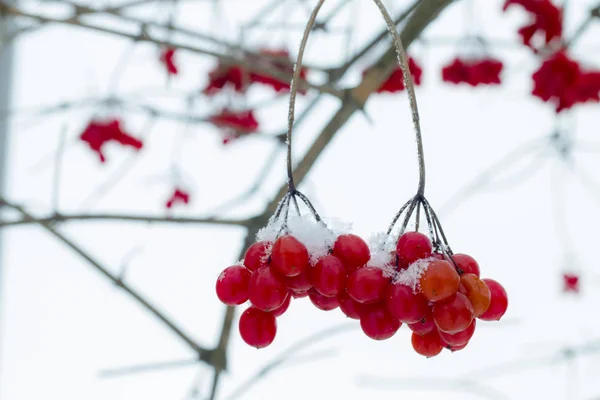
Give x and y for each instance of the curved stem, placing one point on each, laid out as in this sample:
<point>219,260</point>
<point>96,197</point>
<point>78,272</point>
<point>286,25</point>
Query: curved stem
<point>294,89</point>
<point>410,89</point>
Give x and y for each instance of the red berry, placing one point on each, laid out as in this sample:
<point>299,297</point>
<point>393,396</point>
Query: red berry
<point>476,291</point>
<point>299,282</point>
<point>329,276</point>
<point>298,294</point>
<point>352,251</point>
<point>232,285</point>
<point>428,345</point>
<point>279,311</point>
<point>404,304</point>
<point>289,257</point>
<point>322,302</point>
<point>440,256</point>
<point>351,308</point>
<point>377,323</point>
<point>367,285</point>
<point>439,281</point>
<point>425,325</point>
<point>466,263</point>
<point>459,338</point>
<point>257,328</point>
<point>498,302</point>
<point>456,348</point>
<point>454,314</point>
<point>255,256</point>
<point>266,290</point>
<point>413,246</point>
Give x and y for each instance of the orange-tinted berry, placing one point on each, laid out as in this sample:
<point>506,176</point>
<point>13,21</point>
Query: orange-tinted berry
<point>439,281</point>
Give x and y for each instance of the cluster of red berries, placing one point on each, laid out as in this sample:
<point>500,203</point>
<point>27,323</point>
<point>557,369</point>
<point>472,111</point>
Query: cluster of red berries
<point>484,71</point>
<point>437,297</point>
<point>98,133</point>
<point>546,21</point>
<point>235,124</point>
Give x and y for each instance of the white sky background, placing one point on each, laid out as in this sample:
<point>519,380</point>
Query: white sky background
<point>62,323</point>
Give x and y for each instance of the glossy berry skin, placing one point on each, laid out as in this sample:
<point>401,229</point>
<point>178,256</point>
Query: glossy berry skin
<point>476,291</point>
<point>439,281</point>
<point>425,325</point>
<point>404,304</point>
<point>367,285</point>
<point>289,257</point>
<point>498,302</point>
<point>298,294</point>
<point>257,328</point>
<point>300,282</point>
<point>428,345</point>
<point>352,250</point>
<point>466,263</point>
<point>456,348</point>
<point>458,338</point>
<point>322,302</point>
<point>255,256</point>
<point>349,307</point>
<point>266,290</point>
<point>377,323</point>
<point>413,246</point>
<point>329,276</point>
<point>232,285</point>
<point>279,311</point>
<point>454,314</point>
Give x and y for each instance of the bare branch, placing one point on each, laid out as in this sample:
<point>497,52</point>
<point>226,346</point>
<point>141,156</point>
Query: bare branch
<point>203,353</point>
<point>60,218</point>
<point>250,65</point>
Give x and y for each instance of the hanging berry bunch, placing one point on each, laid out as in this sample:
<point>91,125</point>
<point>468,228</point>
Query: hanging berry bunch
<point>295,256</point>
<point>419,280</point>
<point>413,279</point>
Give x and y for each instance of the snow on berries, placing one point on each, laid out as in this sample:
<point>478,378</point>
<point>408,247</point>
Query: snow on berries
<point>382,284</point>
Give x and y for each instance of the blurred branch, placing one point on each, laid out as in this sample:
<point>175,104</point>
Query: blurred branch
<point>134,369</point>
<point>250,64</point>
<point>286,355</point>
<point>431,384</point>
<point>61,218</point>
<point>203,353</point>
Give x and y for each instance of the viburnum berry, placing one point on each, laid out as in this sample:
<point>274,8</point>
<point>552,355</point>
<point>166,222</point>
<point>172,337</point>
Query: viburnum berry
<point>425,325</point>
<point>352,251</point>
<point>456,348</point>
<point>298,294</point>
<point>300,283</point>
<point>428,345</point>
<point>349,306</point>
<point>458,338</point>
<point>289,256</point>
<point>467,264</point>
<point>232,285</point>
<point>266,290</point>
<point>476,291</point>
<point>439,281</point>
<point>255,256</point>
<point>377,323</point>
<point>257,328</point>
<point>367,285</point>
<point>322,302</point>
<point>406,305</point>
<point>279,311</point>
<point>329,276</point>
<point>413,246</point>
<point>498,301</point>
<point>454,314</point>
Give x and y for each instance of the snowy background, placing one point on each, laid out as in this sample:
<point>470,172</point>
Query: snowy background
<point>63,324</point>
